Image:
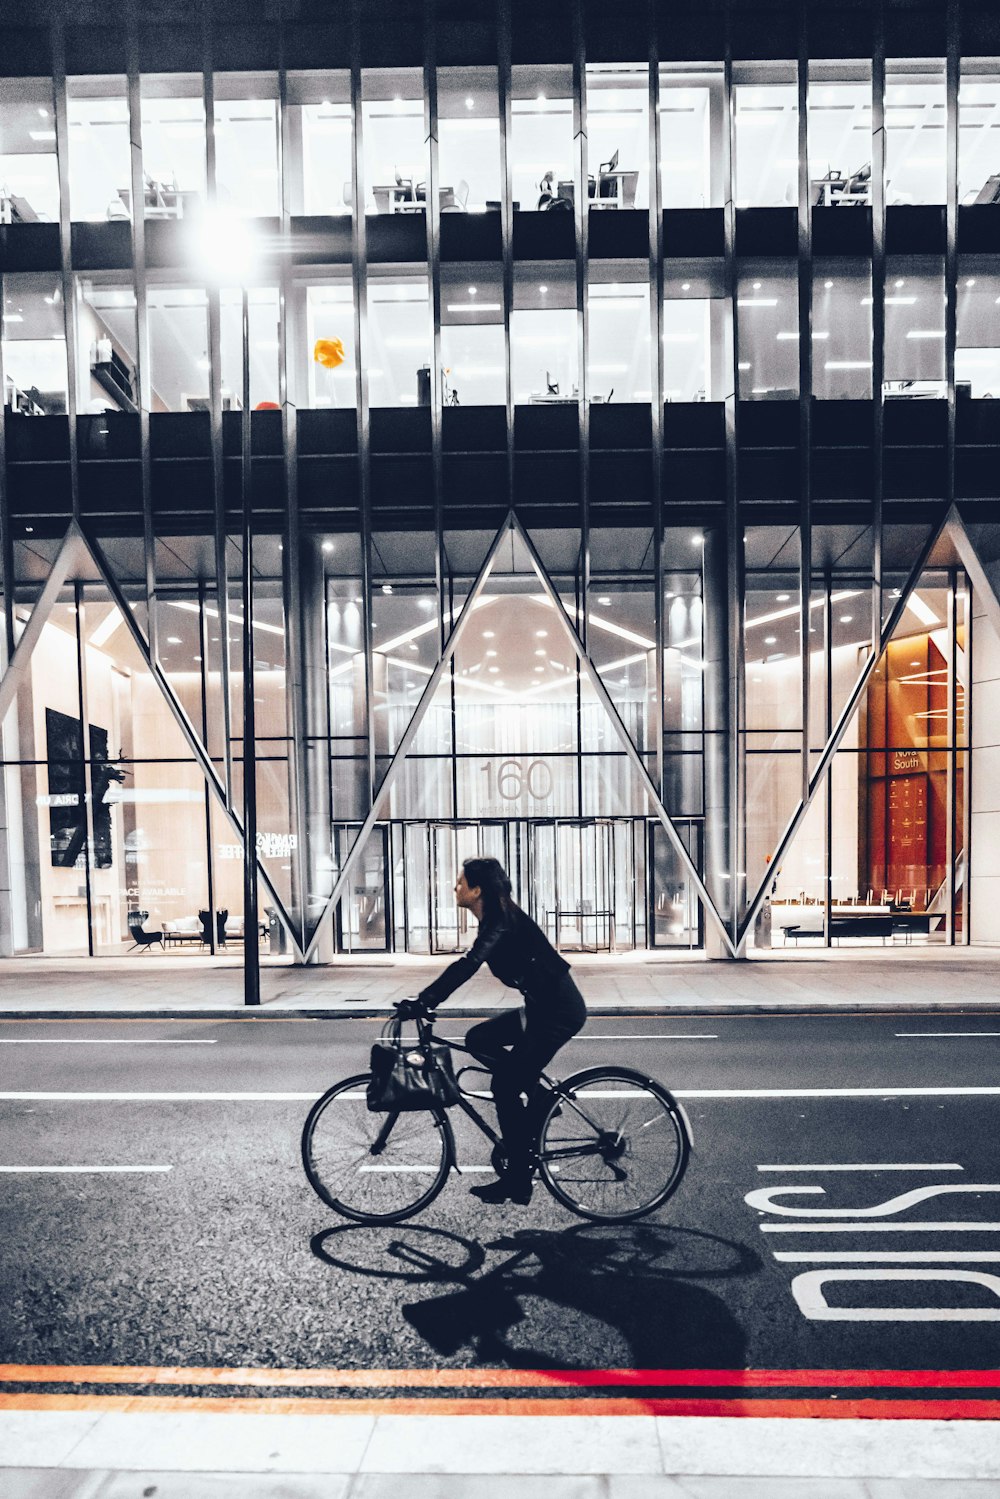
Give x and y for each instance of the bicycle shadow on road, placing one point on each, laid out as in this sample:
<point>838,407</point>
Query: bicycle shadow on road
<point>579,1296</point>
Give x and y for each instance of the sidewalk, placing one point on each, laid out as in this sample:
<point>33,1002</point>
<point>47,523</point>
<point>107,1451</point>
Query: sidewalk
<point>845,979</point>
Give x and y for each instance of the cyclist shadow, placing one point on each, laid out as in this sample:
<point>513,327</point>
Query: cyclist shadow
<point>629,1291</point>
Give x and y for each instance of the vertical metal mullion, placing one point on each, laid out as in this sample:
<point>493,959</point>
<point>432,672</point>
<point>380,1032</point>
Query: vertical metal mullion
<point>215,418</point>
<point>505,83</point>
<point>949,858</point>
<point>6,534</point>
<point>827,731</point>
<point>297,719</point>
<point>359,271</point>
<point>251,937</point>
<point>734,534</point>
<point>878,316</point>
<point>144,392</point>
<point>432,216</point>
<point>582,234</point>
<point>966,753</point>
<point>209,841</point>
<point>86,781</point>
<point>66,254</point>
<point>656,377</point>
<point>805,298</point>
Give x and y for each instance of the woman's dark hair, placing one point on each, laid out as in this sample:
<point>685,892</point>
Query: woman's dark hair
<point>490,877</point>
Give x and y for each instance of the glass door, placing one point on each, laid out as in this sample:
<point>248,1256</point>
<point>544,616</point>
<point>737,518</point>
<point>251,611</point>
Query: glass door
<point>674,908</point>
<point>361,915</point>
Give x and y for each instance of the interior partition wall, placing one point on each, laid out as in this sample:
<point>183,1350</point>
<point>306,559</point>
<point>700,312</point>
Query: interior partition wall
<point>715,330</point>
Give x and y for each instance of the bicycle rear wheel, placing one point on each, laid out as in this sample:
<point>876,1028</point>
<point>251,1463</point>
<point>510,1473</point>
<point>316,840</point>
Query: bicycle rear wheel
<point>614,1145</point>
<point>374,1168</point>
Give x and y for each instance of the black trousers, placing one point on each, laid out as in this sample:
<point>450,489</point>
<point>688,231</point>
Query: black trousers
<point>515,1047</point>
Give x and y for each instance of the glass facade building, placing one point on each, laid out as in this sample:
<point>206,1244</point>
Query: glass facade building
<point>503,429</point>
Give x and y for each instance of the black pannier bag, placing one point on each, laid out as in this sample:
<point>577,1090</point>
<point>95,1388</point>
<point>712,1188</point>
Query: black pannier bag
<point>407,1076</point>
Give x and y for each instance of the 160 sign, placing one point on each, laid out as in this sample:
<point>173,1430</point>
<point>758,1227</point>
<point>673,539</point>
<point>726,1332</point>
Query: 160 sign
<point>512,779</point>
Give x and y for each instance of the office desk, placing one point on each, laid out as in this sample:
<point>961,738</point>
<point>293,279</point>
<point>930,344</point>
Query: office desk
<point>623,186</point>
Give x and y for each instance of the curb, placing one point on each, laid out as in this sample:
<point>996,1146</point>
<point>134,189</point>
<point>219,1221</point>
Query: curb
<point>763,1009</point>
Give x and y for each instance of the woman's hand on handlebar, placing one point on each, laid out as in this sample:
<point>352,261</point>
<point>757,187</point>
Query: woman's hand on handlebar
<point>410,1009</point>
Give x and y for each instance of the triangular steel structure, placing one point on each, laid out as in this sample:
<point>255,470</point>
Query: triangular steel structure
<point>950,528</point>
<point>77,547</point>
<point>513,528</point>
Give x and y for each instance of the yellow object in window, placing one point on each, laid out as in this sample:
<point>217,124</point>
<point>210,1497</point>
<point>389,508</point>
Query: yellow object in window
<point>329,352</point>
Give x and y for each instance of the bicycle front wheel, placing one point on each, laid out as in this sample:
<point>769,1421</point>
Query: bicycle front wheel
<point>614,1145</point>
<point>374,1168</point>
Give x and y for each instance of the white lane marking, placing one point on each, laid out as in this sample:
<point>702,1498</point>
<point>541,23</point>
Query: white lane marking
<point>191,1097</point>
<point>103,1041</point>
<point>879,1228</point>
<point>873,1166</point>
<point>914,1034</point>
<point>896,1257</point>
<point>82,1170</point>
<point>427,1170</point>
<point>764,1199</point>
<point>671,1036</point>
<point>808,1292</point>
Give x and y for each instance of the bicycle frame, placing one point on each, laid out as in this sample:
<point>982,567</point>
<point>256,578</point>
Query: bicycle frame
<point>427,1036</point>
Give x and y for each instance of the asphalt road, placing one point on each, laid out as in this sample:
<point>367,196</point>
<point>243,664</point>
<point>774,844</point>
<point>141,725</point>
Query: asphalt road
<point>224,1257</point>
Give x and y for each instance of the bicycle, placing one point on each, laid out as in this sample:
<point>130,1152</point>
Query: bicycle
<point>612,1144</point>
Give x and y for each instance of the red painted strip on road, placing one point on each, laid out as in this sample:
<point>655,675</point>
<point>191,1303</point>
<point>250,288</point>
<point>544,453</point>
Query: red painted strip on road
<point>153,1375</point>
<point>832,1409</point>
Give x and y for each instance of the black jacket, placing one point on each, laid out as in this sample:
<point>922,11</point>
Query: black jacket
<point>515,950</point>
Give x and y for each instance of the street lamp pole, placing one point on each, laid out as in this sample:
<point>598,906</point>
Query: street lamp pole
<point>251,927</point>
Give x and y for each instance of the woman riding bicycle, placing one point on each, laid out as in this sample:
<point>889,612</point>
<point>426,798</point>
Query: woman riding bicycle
<point>516,1045</point>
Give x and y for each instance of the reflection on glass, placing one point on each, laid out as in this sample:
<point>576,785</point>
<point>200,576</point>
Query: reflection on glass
<point>767,323</point>
<point>106,334</point>
<point>34,344</point>
<point>978,150</point>
<point>842,330</point>
<point>322,366</point>
<point>173,144</point>
<point>840,131</point>
<point>914,326</point>
<point>472,338</point>
<point>100,168</point>
<point>468,140</point>
<point>543,347</point>
<point>915,136</point>
<point>692,117</point>
<point>178,350</point>
<point>541,142</point>
<point>617,135</point>
<point>618,362</point>
<point>977,355</point>
<point>317,164</point>
<point>392,111</point>
<point>246,143</point>
<point>29,178</point>
<point>766,135</point>
<point>263,336</point>
<point>398,356</point>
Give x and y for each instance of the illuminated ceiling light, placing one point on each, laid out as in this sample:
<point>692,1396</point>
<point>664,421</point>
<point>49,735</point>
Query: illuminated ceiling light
<point>491,653</point>
<point>472,291</point>
<point>782,598</point>
<point>540,651</point>
<point>970,281</point>
<point>922,610</point>
<point>106,628</point>
<point>775,614</point>
<point>756,301</point>
<point>495,669</point>
<point>470,103</point>
<point>770,640</point>
<point>541,634</point>
<point>543,290</point>
<point>756,286</point>
<point>489,634</point>
<point>828,285</point>
<point>173,640</point>
<point>386,587</point>
<point>845,619</point>
<point>697,540</point>
<point>539,668</point>
<point>685,286</point>
<point>604,600</point>
<point>926,333</point>
<point>899,283</point>
<point>328,546</point>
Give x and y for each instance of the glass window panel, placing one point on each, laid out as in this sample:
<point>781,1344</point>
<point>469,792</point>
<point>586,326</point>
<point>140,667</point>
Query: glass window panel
<point>178,350</point>
<point>322,364</point>
<point>106,334</point>
<point>543,336</point>
<point>317,164</point>
<point>618,135</point>
<point>979,131</point>
<point>977,355</point>
<point>468,140</point>
<point>840,134</point>
<point>618,346</point>
<point>915,133</point>
<point>246,143</point>
<point>914,326</point>
<point>767,321</point>
<point>541,143</point>
<point>766,135</point>
<point>173,144</point>
<point>100,180</point>
<point>472,336</point>
<point>842,330</point>
<point>263,334</point>
<point>34,344</point>
<point>29,177</point>
<point>398,357</point>
<point>692,121</point>
<point>394,140</point>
